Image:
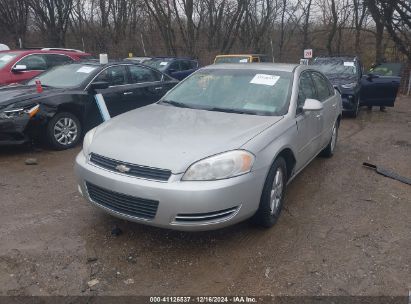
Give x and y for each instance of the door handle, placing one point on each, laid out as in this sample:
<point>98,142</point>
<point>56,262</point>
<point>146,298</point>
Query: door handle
<point>319,116</point>
<point>127,93</point>
<point>334,105</point>
<point>158,88</point>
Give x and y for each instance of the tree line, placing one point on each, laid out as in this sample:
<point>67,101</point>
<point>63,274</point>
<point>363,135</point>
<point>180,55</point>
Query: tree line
<point>374,29</point>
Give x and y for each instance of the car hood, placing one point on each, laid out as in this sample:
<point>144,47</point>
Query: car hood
<point>172,138</point>
<point>340,79</point>
<point>20,93</point>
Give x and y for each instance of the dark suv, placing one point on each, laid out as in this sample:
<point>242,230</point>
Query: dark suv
<point>176,67</point>
<point>345,74</point>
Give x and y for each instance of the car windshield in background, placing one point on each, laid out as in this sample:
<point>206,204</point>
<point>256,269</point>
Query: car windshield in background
<point>232,59</point>
<point>330,67</point>
<point>5,58</point>
<point>65,76</point>
<point>236,91</point>
<point>159,64</point>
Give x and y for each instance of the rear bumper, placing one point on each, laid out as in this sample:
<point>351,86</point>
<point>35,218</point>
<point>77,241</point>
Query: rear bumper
<point>189,206</point>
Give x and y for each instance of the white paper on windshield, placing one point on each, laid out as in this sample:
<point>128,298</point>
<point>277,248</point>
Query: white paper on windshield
<point>164,63</point>
<point>265,79</point>
<point>243,60</point>
<point>349,64</point>
<point>6,58</point>
<point>86,70</point>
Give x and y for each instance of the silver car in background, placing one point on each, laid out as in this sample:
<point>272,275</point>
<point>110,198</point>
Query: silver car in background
<point>218,149</point>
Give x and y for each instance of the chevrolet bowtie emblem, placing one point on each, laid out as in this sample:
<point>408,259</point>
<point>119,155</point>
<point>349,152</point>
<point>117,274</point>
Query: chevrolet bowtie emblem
<point>123,169</point>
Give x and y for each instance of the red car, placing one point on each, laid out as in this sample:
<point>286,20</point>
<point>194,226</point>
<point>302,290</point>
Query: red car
<point>21,65</point>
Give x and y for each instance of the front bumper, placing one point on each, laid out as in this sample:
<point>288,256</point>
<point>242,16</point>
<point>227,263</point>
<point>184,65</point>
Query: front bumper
<point>189,206</point>
<point>349,102</point>
<point>12,131</point>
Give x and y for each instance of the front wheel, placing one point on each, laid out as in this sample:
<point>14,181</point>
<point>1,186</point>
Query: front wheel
<point>272,198</point>
<point>63,131</point>
<point>329,150</point>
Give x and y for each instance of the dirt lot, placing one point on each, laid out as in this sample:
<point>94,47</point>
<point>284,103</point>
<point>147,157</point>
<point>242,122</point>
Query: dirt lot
<point>345,230</point>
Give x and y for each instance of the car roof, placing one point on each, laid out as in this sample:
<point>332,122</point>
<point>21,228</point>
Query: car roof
<point>40,51</point>
<point>282,67</point>
<point>167,58</point>
<point>238,55</point>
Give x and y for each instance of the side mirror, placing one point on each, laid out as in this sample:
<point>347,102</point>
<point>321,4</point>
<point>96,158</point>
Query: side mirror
<point>312,105</point>
<point>98,85</point>
<point>19,68</point>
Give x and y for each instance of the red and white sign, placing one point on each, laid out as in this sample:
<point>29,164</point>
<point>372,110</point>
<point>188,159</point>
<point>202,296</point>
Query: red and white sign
<point>308,54</point>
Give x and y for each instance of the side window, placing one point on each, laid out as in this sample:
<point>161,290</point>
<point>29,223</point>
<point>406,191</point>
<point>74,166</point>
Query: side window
<point>55,60</point>
<point>322,85</point>
<point>175,65</point>
<point>34,62</point>
<point>185,65</point>
<point>114,76</point>
<point>139,74</point>
<point>306,91</point>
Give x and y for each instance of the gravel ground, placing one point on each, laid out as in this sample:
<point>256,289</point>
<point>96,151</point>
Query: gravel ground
<point>345,230</point>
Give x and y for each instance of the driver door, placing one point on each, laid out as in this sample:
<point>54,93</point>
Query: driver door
<point>379,90</point>
<point>116,76</point>
<point>309,124</point>
<point>35,64</point>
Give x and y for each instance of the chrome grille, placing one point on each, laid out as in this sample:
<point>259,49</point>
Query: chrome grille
<point>121,203</point>
<point>135,170</point>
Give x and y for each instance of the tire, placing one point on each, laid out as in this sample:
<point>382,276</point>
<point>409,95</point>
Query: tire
<point>354,113</point>
<point>270,207</point>
<point>63,131</point>
<point>329,150</point>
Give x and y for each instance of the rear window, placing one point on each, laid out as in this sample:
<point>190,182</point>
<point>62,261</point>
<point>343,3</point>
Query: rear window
<point>6,58</point>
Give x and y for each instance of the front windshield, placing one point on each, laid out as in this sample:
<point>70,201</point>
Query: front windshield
<point>237,91</point>
<point>159,64</point>
<point>5,58</point>
<point>232,59</point>
<point>330,67</point>
<point>65,76</point>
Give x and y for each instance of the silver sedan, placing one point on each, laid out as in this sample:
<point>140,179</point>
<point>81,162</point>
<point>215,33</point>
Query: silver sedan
<point>218,149</point>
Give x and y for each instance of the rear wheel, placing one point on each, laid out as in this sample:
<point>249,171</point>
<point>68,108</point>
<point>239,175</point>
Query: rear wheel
<point>272,198</point>
<point>63,131</point>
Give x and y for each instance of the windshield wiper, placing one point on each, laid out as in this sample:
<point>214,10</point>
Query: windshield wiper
<point>177,104</point>
<point>236,111</point>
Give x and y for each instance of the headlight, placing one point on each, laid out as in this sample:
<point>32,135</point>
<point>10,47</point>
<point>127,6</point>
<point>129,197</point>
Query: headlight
<point>221,166</point>
<point>29,110</point>
<point>349,85</point>
<point>88,139</point>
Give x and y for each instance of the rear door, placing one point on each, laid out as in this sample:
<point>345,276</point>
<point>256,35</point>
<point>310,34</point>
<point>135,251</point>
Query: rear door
<point>145,87</point>
<point>116,76</point>
<point>35,64</point>
<point>379,90</point>
<point>309,124</point>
